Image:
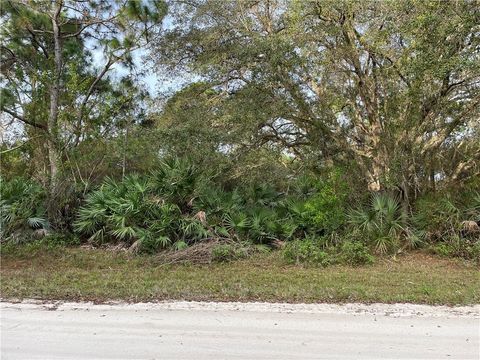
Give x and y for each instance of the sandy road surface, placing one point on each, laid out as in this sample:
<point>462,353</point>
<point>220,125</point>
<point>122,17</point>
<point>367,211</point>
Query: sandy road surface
<point>183,330</point>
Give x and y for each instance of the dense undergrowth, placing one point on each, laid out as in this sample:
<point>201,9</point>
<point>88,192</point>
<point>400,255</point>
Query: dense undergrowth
<point>315,220</point>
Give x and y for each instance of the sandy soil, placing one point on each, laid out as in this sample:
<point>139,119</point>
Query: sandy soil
<point>196,330</point>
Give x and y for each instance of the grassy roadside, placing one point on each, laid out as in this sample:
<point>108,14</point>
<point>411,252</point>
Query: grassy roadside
<point>100,275</point>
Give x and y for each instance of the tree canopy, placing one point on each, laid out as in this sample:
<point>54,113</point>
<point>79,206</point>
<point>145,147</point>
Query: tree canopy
<point>393,87</point>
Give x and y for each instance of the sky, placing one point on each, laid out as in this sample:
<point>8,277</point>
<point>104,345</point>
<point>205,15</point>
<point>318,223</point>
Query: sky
<point>155,84</point>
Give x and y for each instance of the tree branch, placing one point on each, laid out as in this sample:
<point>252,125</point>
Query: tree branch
<point>22,119</point>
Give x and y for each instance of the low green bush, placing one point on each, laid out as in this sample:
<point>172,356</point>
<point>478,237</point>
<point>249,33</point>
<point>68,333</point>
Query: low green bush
<point>228,252</point>
<point>308,251</point>
<point>355,253</point>
<point>319,203</point>
<point>458,247</point>
<point>380,224</point>
<point>178,202</point>
<point>22,208</point>
<point>442,249</point>
<point>472,251</point>
<point>223,253</point>
<point>440,215</point>
<point>61,239</point>
<point>322,252</point>
<point>133,210</point>
<point>53,242</point>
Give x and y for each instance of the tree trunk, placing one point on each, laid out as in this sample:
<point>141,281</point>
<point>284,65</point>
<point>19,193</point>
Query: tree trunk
<point>405,202</point>
<point>374,176</point>
<point>379,156</point>
<point>125,144</point>
<point>54,156</point>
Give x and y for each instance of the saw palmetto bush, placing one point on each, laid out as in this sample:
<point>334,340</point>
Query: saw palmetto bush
<point>131,210</point>
<point>22,207</point>
<point>381,223</point>
<point>251,213</point>
<point>263,214</point>
<point>115,210</point>
<point>440,215</point>
<point>177,180</point>
<point>177,204</point>
<point>445,218</point>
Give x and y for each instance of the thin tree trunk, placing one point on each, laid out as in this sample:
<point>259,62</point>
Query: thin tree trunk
<point>405,202</point>
<point>125,144</point>
<point>432,175</point>
<point>52,124</point>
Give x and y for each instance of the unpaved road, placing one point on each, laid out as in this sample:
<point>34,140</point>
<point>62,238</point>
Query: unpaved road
<point>183,330</point>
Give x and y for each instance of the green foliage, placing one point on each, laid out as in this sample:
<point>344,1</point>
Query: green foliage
<point>320,251</point>
<point>52,243</point>
<point>64,239</point>
<point>355,253</point>
<point>325,208</point>
<point>457,247</point>
<point>307,251</point>
<point>381,223</point>
<point>48,75</point>
<point>162,209</point>
<point>440,215</point>
<point>128,211</point>
<point>177,180</point>
<point>442,249</point>
<point>22,206</point>
<point>280,100</point>
<point>180,245</point>
<point>228,252</point>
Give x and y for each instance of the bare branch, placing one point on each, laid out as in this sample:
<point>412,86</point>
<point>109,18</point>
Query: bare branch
<point>22,119</point>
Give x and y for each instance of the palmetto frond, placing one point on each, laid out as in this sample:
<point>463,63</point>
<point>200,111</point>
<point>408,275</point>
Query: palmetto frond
<point>381,223</point>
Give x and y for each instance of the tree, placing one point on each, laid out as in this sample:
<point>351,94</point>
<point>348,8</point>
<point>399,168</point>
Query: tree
<point>393,87</point>
<point>220,131</point>
<point>48,83</point>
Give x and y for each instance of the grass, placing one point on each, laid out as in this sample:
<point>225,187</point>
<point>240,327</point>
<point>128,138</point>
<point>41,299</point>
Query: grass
<point>101,275</point>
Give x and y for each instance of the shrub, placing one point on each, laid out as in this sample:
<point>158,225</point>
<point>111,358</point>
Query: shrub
<point>473,251</point>
<point>457,247</point>
<point>51,243</point>
<point>381,223</point>
<point>307,251</point>
<point>22,207</point>
<point>177,180</point>
<point>230,252</point>
<point>131,210</point>
<point>149,242</point>
<point>442,249</point>
<point>115,210</point>
<point>324,208</point>
<point>223,253</point>
<point>355,253</point>
<point>63,239</point>
<point>320,251</point>
<point>440,215</point>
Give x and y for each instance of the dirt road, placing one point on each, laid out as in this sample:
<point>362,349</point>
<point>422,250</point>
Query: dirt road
<point>183,330</point>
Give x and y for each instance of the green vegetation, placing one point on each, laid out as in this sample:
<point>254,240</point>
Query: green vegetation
<point>100,275</point>
<point>338,133</point>
<point>21,207</point>
<point>180,204</point>
<point>321,252</point>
